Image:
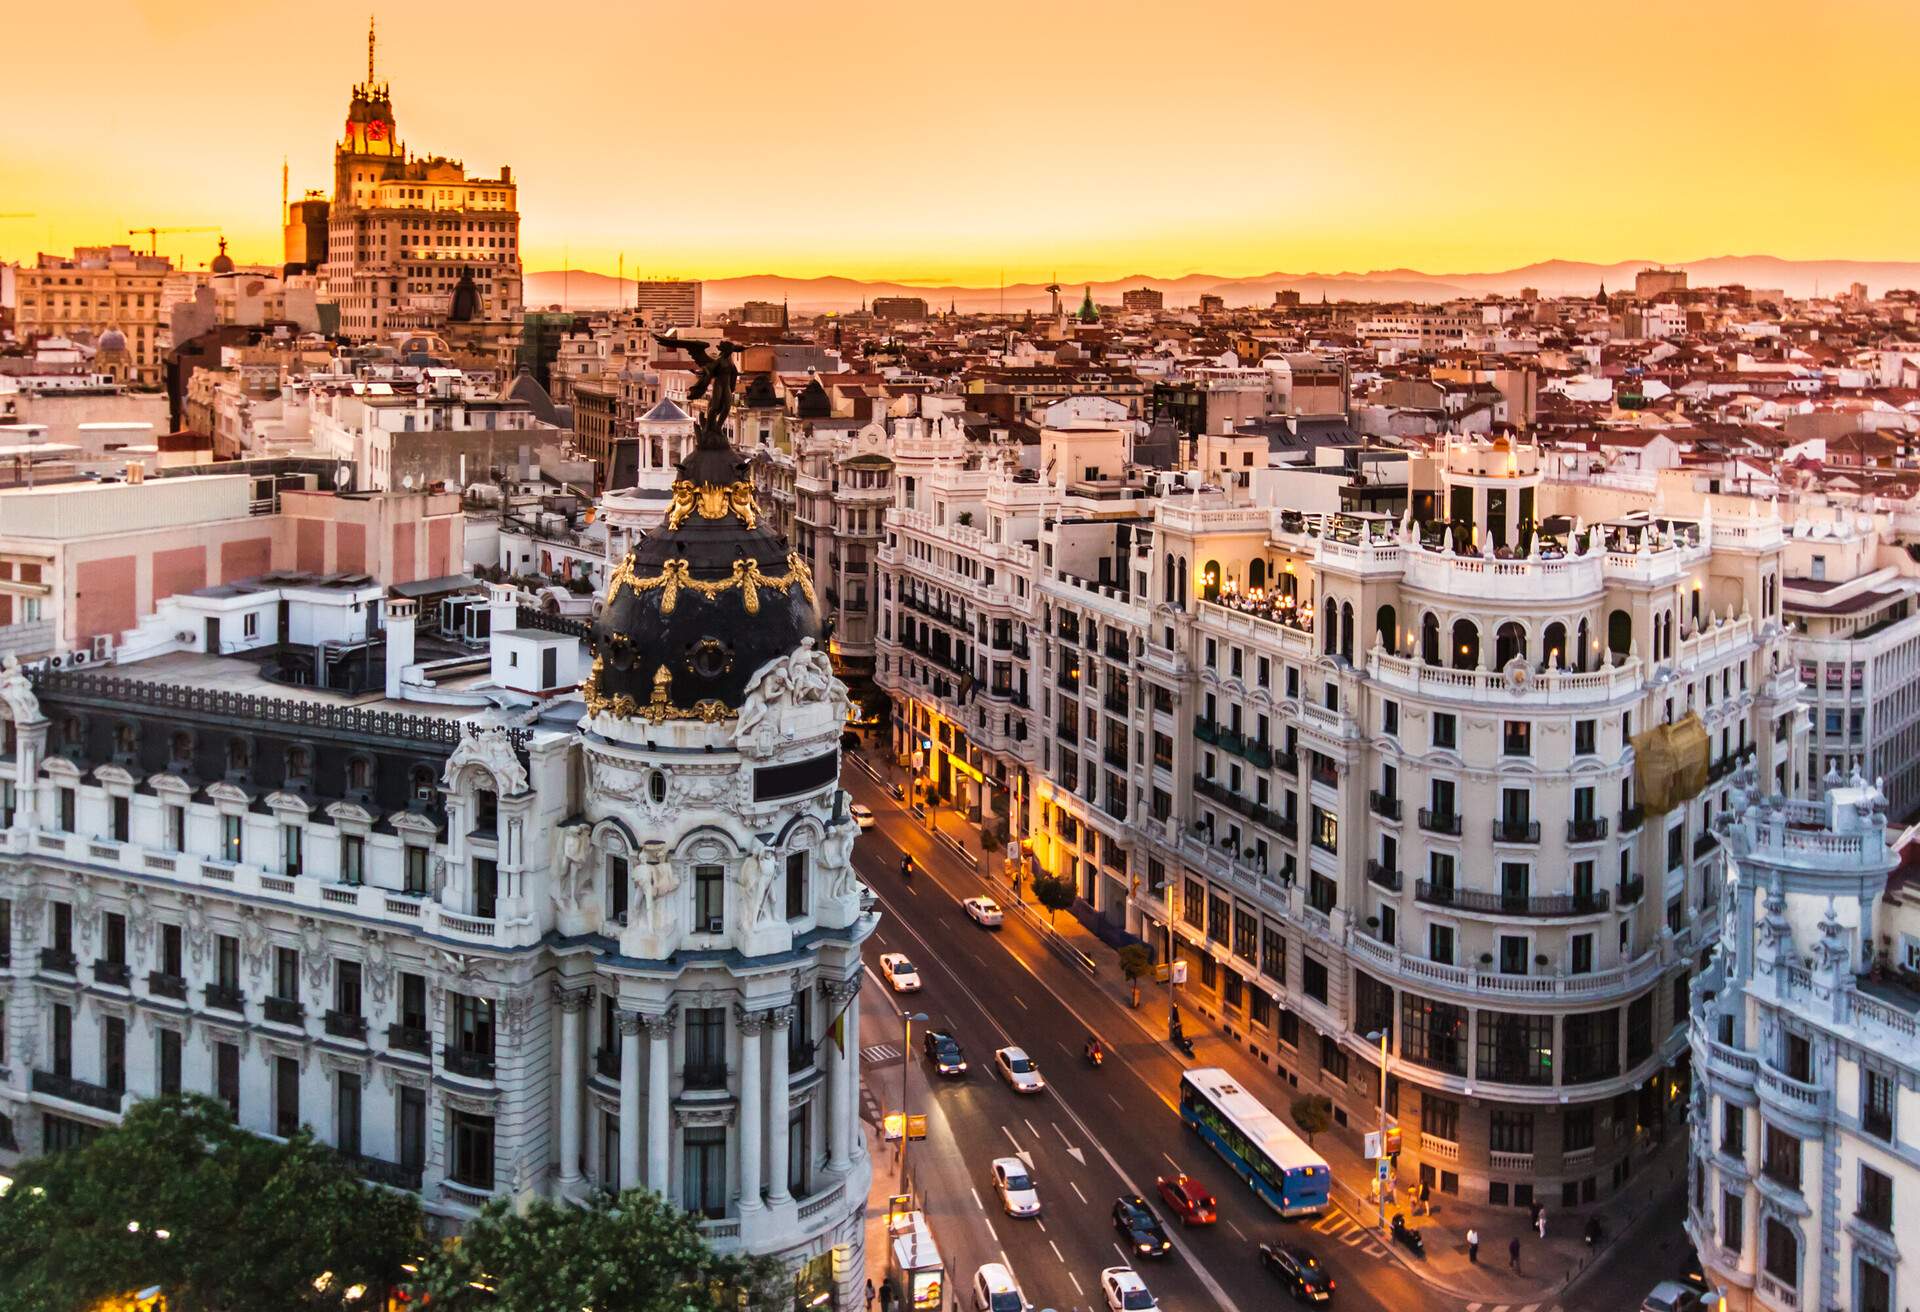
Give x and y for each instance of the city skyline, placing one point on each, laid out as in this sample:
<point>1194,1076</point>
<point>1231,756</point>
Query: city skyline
<point>1023,145</point>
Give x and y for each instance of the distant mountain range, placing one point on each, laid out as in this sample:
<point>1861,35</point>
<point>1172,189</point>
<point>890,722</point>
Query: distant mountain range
<point>582,290</point>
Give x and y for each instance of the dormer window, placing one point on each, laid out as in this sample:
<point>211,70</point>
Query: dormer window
<point>125,740</point>
<point>486,811</point>
<point>299,764</point>
<point>424,785</point>
<point>239,756</point>
<point>359,774</point>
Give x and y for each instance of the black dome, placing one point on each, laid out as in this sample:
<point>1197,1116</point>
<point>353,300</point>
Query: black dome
<point>700,603</point>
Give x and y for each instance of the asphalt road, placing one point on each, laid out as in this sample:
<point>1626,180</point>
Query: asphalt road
<point>1094,1134</point>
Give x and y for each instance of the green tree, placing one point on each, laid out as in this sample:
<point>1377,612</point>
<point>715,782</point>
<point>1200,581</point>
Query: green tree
<point>222,1220</point>
<point>634,1252</point>
<point>1312,1113</point>
<point>1135,961</point>
<point>1053,894</point>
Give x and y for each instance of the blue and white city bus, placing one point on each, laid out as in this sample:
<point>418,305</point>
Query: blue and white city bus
<point>1291,1177</point>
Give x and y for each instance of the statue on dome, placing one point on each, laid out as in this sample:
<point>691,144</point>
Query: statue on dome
<point>718,374</point>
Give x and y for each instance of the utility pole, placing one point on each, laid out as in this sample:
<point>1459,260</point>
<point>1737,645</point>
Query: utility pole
<point>906,1069</point>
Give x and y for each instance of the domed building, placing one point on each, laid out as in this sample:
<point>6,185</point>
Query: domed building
<point>541,946</point>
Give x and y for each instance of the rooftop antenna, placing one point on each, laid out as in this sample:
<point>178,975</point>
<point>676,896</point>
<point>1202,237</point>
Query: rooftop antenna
<point>283,189</point>
<point>370,52</point>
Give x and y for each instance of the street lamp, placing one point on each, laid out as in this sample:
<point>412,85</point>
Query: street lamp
<point>1380,1173</point>
<point>906,1068</point>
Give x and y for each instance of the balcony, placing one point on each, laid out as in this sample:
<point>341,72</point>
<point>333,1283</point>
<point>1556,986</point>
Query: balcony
<point>606,1061</point>
<point>115,973</point>
<point>162,985</point>
<point>1383,805</point>
<point>474,1065</point>
<point>1206,730</point>
<point>409,1038</point>
<point>1384,876</point>
<point>61,963</point>
<point>1632,890</point>
<point>379,1171</point>
<point>1325,772</point>
<point>1440,822</point>
<point>97,1096</point>
<point>1705,843</point>
<point>344,1026</point>
<point>283,1011</point>
<point>1516,831</point>
<point>1259,754</point>
<point>225,997</point>
<point>1287,760</point>
<point>1630,819</point>
<point>1553,904</point>
<point>1798,1095</point>
<point>1589,829</point>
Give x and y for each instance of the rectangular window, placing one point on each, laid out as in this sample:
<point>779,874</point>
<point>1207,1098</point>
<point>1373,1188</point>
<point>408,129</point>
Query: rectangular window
<point>226,951</point>
<point>1876,1103</point>
<point>1390,718</point>
<point>1576,1130</point>
<point>473,1024</point>
<point>292,849</point>
<point>1313,976</point>
<point>226,1076</point>
<point>1583,738</point>
<point>353,859</point>
<point>1876,1198</point>
<point>706,1047</point>
<point>704,1171</point>
<point>1780,1159</point>
<point>1433,1033</point>
<point>1581,955</point>
<point>413,1000</point>
<point>1246,934</point>
<point>1446,732</point>
<point>1515,1048</point>
<point>1783,1253</point>
<point>1513,954</point>
<point>1273,954</point>
<point>798,903</point>
<point>411,1132</point>
<point>1333,1058</point>
<point>113,948</point>
<point>1875,1292</point>
<point>709,899</point>
<point>486,888</point>
<point>346,988</point>
<point>618,886</point>
<point>286,973</point>
<point>346,1112</point>
<point>113,1053</point>
<point>416,872</point>
<point>1219,917</point>
<point>1440,1117</point>
<point>1733,1130</point>
<point>1592,1044</point>
<point>1733,1224</point>
<point>68,804</point>
<point>230,841</point>
<point>472,1150</point>
<point>1517,738</point>
<point>1440,944</point>
<point>176,828</point>
<point>122,821</point>
<point>286,1096</point>
<point>169,1062</point>
<point>1510,1131</point>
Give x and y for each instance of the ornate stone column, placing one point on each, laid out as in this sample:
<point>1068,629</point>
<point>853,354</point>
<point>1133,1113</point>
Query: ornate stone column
<point>659,1100</point>
<point>753,1026</point>
<point>778,1099</point>
<point>573,1003</point>
<point>843,999</point>
<point>859,1146</point>
<point>630,1022</point>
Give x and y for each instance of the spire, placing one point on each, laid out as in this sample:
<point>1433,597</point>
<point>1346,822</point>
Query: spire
<point>370,52</point>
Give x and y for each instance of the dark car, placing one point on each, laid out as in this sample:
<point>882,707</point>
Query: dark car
<point>943,1050</point>
<point>1139,1228</point>
<point>1299,1270</point>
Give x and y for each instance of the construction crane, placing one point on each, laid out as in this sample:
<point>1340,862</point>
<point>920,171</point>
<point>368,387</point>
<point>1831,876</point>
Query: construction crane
<point>153,235</point>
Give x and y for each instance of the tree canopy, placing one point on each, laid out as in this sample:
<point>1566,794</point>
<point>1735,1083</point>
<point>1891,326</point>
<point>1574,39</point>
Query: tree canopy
<point>220,1219</point>
<point>634,1252</point>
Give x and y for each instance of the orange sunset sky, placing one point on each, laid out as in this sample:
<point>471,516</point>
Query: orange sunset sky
<point>960,141</point>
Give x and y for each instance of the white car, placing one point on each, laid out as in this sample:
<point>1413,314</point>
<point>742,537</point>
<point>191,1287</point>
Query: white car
<point>862,814</point>
<point>1017,1068</point>
<point>994,1290</point>
<point>899,972</point>
<point>1125,1290</point>
<point>984,910</point>
<point>1015,1187</point>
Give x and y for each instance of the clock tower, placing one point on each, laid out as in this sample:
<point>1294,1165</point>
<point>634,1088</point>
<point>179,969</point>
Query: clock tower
<point>370,143</point>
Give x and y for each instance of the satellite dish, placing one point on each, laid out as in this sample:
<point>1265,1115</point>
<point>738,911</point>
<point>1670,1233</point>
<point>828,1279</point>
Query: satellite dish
<point>343,476</point>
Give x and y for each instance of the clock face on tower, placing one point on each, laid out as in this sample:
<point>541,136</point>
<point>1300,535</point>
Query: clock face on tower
<point>376,130</point>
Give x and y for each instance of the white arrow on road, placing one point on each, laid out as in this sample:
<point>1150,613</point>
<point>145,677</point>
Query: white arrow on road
<point>1072,1152</point>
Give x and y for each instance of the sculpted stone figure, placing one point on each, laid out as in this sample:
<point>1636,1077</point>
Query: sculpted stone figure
<point>757,870</point>
<point>576,846</point>
<point>656,886</point>
<point>836,857</point>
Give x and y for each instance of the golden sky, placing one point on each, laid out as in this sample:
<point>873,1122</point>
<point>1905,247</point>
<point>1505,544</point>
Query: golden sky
<point>958,140</point>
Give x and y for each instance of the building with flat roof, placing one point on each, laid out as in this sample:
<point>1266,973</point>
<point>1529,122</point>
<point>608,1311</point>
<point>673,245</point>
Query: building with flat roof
<point>669,302</point>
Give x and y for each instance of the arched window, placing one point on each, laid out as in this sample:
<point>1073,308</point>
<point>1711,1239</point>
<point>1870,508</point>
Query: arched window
<point>1387,627</point>
<point>299,762</point>
<point>1346,629</point>
<point>1430,639</point>
<point>239,755</point>
<point>1210,581</point>
<point>1509,642</point>
<point>1619,632</point>
<point>1256,574</point>
<point>1167,586</point>
<point>1583,640</point>
<point>1466,645</point>
<point>1330,627</point>
<point>1553,648</point>
<point>1181,575</point>
<point>359,774</point>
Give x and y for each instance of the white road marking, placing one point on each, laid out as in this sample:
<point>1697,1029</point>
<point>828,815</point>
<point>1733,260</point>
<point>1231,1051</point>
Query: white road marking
<point>1531,1307</point>
<point>1081,1196</point>
<point>996,1238</point>
<point>976,1198</point>
<point>1175,1165</point>
<point>1116,1102</point>
<point>1042,1224</point>
<point>1056,1252</point>
<point>1023,1005</point>
<point>1236,1229</point>
<point>1010,1139</point>
<point>1030,1130</point>
<point>1475,1307</point>
<point>1121,1251</point>
<point>1076,1284</point>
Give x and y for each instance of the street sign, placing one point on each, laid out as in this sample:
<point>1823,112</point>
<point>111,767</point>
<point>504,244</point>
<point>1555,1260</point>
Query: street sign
<point>917,1128</point>
<point>1383,1169</point>
<point>1160,973</point>
<point>1373,1144</point>
<point>1179,972</point>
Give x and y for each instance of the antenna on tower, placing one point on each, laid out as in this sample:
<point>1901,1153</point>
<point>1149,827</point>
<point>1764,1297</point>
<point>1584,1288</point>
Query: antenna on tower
<point>370,18</point>
<point>283,189</point>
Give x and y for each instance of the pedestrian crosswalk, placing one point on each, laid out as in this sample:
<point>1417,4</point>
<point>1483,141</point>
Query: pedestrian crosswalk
<point>876,1053</point>
<point>1336,1224</point>
<point>1514,1307</point>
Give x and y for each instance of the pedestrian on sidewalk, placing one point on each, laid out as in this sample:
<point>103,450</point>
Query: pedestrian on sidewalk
<point>1513,1254</point>
<point>1540,1222</point>
<point>1473,1246</point>
<point>869,1293</point>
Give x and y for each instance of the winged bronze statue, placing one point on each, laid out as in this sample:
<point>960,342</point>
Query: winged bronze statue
<point>718,375</point>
